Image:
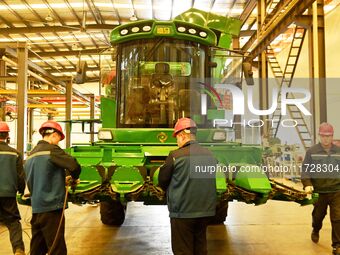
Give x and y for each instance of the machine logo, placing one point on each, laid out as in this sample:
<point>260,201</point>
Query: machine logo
<point>162,137</point>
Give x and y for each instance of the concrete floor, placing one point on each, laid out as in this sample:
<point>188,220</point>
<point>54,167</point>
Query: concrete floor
<point>276,228</point>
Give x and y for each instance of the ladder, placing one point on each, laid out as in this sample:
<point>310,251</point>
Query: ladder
<point>270,8</point>
<point>285,78</point>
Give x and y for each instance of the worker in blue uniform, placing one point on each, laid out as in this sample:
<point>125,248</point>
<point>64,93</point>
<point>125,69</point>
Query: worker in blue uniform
<point>321,174</point>
<point>45,170</point>
<point>191,196</point>
<point>11,181</point>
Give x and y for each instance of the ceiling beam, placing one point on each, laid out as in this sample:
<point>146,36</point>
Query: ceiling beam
<point>95,68</point>
<point>56,106</point>
<point>248,32</point>
<point>96,51</point>
<point>62,70</point>
<point>248,9</point>
<point>39,92</point>
<point>278,24</point>
<point>8,78</point>
<point>52,29</point>
<point>36,68</point>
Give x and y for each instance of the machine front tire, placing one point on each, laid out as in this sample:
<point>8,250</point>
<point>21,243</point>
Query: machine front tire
<point>112,213</point>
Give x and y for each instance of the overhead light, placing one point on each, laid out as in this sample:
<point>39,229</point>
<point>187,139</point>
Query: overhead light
<point>278,49</point>
<point>220,135</point>
<point>133,17</point>
<point>105,135</point>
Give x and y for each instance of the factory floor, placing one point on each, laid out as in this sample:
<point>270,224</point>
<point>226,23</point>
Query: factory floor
<point>276,228</point>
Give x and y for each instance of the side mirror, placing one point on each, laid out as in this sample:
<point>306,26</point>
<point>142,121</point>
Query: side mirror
<point>212,64</point>
<point>80,77</point>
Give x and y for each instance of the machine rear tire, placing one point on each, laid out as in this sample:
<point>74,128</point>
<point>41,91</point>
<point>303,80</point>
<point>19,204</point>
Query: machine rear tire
<point>112,213</point>
<point>221,214</point>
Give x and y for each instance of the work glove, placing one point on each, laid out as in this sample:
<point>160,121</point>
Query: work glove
<point>72,182</point>
<point>24,197</point>
<point>309,191</point>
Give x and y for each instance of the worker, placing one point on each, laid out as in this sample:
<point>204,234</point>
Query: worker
<point>45,170</point>
<point>191,197</point>
<point>320,174</point>
<point>12,180</point>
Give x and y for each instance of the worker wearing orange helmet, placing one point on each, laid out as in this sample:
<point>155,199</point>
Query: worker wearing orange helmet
<point>45,170</point>
<point>191,197</point>
<point>321,174</point>
<point>11,181</point>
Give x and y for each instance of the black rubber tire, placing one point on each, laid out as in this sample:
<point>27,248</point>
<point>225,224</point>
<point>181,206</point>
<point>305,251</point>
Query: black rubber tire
<point>221,213</point>
<point>112,213</point>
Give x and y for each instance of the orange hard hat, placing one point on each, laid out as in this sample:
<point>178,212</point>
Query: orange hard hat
<point>51,124</point>
<point>4,128</point>
<point>183,123</point>
<point>326,129</point>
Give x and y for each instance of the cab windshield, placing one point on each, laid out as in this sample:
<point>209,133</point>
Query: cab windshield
<point>155,81</point>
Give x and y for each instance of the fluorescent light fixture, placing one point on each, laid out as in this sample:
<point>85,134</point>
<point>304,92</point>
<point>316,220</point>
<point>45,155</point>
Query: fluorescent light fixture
<point>220,135</point>
<point>51,39</point>
<point>105,135</point>
<point>329,7</point>
<point>68,58</point>
<point>277,50</point>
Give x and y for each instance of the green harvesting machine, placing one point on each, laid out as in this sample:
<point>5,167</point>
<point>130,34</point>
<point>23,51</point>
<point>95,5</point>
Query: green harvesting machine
<point>155,73</point>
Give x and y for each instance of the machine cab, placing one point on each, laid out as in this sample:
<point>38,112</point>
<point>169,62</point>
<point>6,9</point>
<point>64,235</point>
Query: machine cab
<point>156,81</point>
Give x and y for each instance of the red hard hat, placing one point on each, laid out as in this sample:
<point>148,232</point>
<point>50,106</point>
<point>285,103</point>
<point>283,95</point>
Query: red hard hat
<point>183,123</point>
<point>4,128</point>
<point>54,125</point>
<point>326,129</point>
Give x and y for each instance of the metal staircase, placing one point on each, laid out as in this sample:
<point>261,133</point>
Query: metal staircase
<point>284,78</point>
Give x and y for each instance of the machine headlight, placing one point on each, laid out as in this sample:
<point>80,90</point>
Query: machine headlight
<point>181,29</point>
<point>135,29</point>
<point>192,31</point>
<point>105,135</point>
<point>220,135</point>
<point>146,28</point>
<point>203,34</point>
<point>124,31</point>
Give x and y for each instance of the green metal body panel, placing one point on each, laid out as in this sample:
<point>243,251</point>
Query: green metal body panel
<point>253,179</point>
<point>107,107</point>
<point>126,179</point>
<point>220,23</point>
<point>196,19</point>
<point>128,158</point>
<point>235,153</point>
<point>161,29</point>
